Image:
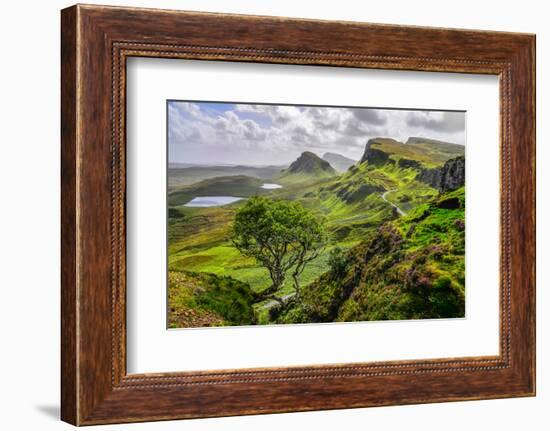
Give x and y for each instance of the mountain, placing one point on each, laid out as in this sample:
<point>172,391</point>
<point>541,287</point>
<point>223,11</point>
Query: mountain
<point>396,176</point>
<point>338,162</point>
<point>427,152</point>
<point>441,165</point>
<point>374,155</point>
<point>307,167</point>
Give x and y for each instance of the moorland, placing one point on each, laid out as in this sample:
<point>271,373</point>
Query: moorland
<point>379,238</point>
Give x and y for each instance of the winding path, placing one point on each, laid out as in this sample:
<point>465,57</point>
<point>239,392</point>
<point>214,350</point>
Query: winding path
<point>273,302</point>
<point>399,210</point>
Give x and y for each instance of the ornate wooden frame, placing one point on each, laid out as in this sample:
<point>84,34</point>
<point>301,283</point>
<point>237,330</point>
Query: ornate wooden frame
<point>95,42</point>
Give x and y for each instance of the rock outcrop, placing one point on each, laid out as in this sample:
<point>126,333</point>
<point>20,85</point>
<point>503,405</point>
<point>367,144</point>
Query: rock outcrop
<point>449,177</point>
<point>407,163</point>
<point>372,155</point>
<point>310,163</point>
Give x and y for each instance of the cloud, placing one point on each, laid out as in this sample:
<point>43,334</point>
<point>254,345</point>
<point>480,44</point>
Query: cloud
<point>277,134</point>
<point>278,114</point>
<point>449,122</point>
<point>182,126</point>
<point>371,116</point>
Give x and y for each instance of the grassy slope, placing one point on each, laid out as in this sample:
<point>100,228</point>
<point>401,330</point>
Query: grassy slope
<point>199,241</point>
<point>208,300</point>
<point>410,268</point>
<point>351,203</point>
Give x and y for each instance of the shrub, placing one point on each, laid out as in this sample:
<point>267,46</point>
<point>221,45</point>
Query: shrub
<point>338,262</point>
<point>174,213</point>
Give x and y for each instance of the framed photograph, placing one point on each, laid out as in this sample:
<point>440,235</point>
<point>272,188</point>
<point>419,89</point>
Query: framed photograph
<point>265,215</point>
<point>302,220</point>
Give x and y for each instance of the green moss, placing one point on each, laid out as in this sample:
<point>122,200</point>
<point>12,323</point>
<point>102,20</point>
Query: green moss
<point>208,299</point>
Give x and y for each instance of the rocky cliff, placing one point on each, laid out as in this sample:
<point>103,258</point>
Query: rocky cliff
<point>448,177</point>
<point>372,155</point>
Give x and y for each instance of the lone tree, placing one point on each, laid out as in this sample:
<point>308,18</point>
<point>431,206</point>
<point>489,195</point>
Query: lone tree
<point>281,235</point>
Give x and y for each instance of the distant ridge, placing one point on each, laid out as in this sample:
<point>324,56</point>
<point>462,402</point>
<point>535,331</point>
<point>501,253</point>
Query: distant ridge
<point>418,140</point>
<point>428,152</point>
<point>182,175</point>
<point>339,162</point>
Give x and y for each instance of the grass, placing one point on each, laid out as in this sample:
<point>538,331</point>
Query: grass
<point>208,300</point>
<point>202,257</point>
<point>226,260</point>
<point>409,268</point>
<point>199,240</point>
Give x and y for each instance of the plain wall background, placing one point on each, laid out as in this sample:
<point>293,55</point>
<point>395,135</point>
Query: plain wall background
<point>29,214</point>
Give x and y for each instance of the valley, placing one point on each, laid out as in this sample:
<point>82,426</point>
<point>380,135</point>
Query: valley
<point>393,238</point>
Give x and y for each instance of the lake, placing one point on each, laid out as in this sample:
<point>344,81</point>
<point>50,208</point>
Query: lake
<point>271,186</point>
<point>218,201</point>
<point>211,201</point>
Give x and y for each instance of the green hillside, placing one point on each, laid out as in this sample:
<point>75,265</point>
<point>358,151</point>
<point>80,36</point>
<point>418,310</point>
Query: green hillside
<point>208,300</point>
<point>400,239</point>
<point>410,268</point>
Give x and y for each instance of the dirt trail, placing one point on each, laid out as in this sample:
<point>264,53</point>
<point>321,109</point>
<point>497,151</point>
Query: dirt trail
<point>399,210</point>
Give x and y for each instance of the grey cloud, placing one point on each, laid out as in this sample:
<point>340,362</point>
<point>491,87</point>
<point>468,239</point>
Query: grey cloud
<point>448,122</point>
<point>359,129</point>
<point>253,131</point>
<point>277,115</point>
<point>370,116</point>
<point>183,136</point>
<point>326,125</point>
<point>323,119</point>
<point>300,135</point>
<point>281,118</point>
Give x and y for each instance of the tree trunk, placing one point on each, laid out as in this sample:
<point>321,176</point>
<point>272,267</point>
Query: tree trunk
<point>277,279</point>
<point>296,285</point>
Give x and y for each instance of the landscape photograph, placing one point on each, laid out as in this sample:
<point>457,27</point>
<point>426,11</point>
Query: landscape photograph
<point>300,214</point>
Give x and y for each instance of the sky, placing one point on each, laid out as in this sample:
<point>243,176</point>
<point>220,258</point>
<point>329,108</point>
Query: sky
<point>211,133</point>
